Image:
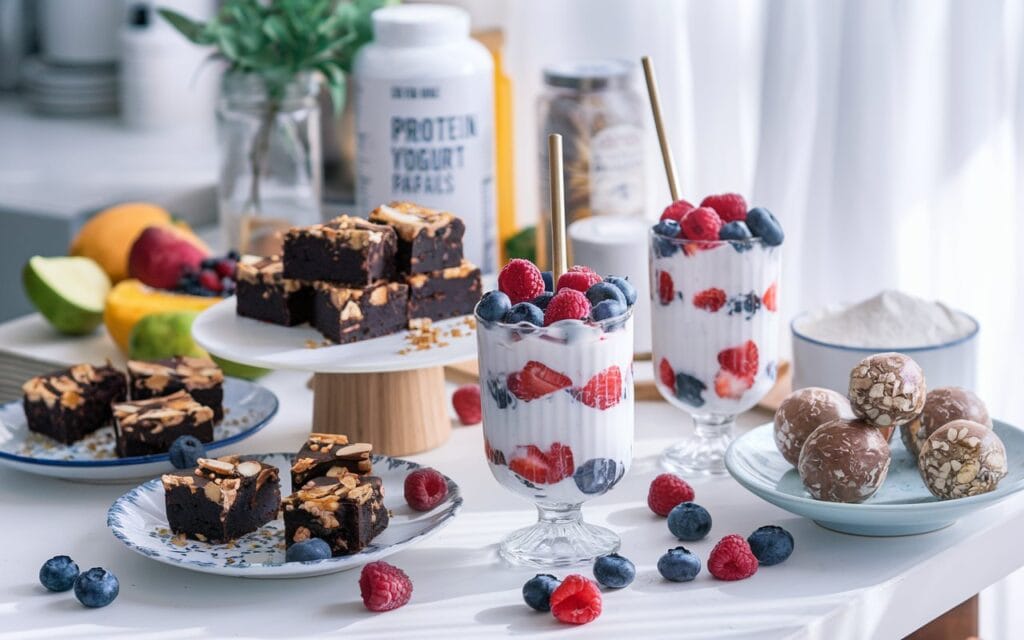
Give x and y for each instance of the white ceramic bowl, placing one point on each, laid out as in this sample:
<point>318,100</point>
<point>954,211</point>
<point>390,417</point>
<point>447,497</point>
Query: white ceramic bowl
<point>821,364</point>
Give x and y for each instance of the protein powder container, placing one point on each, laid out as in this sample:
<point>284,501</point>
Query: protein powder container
<point>425,120</point>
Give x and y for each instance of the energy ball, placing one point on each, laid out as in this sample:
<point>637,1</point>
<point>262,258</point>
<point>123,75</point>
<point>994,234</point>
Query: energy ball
<point>844,461</point>
<point>941,406</point>
<point>962,458</point>
<point>887,389</point>
<point>802,412</point>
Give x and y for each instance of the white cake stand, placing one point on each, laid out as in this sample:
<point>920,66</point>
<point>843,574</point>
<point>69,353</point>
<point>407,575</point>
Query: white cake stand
<point>368,390</point>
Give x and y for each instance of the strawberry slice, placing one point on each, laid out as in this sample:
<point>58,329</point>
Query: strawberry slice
<point>729,385</point>
<point>541,467</point>
<point>741,361</point>
<point>602,391</point>
<point>666,290</point>
<point>770,297</point>
<point>560,462</point>
<point>667,375</point>
<point>711,299</point>
<point>536,381</point>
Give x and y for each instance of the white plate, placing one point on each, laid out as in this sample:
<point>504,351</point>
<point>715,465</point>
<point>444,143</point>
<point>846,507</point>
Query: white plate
<point>138,519</point>
<point>224,333</point>
<point>902,505</point>
<point>247,409</point>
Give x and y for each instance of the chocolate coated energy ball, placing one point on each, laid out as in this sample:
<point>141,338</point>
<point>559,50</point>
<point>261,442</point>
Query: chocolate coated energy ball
<point>941,406</point>
<point>802,412</point>
<point>844,461</point>
<point>887,389</point>
<point>962,458</point>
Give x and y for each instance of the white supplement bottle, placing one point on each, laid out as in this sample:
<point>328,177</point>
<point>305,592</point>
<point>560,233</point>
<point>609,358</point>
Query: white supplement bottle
<point>424,94</point>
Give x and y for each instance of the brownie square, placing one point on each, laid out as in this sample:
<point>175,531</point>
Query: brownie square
<point>145,427</point>
<point>201,377</point>
<point>70,404</point>
<point>330,455</point>
<point>444,294</point>
<point>347,512</point>
<point>345,250</point>
<point>263,293</point>
<point>221,499</point>
<point>348,315</point>
<point>428,240</point>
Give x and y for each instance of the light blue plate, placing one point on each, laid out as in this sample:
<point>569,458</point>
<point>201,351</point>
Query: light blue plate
<point>902,506</point>
<point>247,409</point>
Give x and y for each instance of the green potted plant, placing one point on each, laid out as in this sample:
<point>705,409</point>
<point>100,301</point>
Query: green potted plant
<point>278,55</point>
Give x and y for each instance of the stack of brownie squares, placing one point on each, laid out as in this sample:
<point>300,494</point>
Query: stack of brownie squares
<point>355,279</point>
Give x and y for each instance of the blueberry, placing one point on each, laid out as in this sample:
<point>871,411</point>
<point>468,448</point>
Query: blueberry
<point>679,565</point>
<point>96,588</point>
<point>598,475</point>
<point>737,230</point>
<point>663,244</point>
<point>185,452</point>
<point>58,573</point>
<point>690,389</point>
<point>493,306</point>
<point>308,551</point>
<point>209,263</point>
<point>604,291</point>
<point>537,591</point>
<point>543,300</point>
<point>614,571</point>
<point>234,255</point>
<point>668,228</point>
<point>625,286</point>
<point>496,387</point>
<point>689,521</point>
<point>525,312</point>
<point>549,280</point>
<point>607,309</point>
<point>771,545</point>
<point>751,303</point>
<point>763,224</point>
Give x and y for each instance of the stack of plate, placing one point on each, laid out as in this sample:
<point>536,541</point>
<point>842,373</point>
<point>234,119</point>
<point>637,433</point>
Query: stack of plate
<point>70,90</point>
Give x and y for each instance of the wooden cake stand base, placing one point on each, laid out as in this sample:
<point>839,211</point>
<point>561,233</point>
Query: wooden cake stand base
<point>400,412</point>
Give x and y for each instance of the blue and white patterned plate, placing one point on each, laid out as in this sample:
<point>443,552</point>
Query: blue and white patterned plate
<point>139,520</point>
<point>247,409</point>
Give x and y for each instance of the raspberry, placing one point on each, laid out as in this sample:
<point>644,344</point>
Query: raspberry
<point>666,289</point>
<point>770,297</point>
<point>668,490</point>
<point>568,304</point>
<point>209,280</point>
<point>579,278</point>
<point>730,207</point>
<point>676,210</point>
<point>425,489</point>
<point>667,375</point>
<point>732,559</point>
<point>466,401</point>
<point>711,299</point>
<point>701,223</point>
<point>384,586</point>
<point>576,601</point>
<point>521,281</point>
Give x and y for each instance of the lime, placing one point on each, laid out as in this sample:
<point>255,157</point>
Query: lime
<point>69,292</point>
<point>239,370</point>
<point>164,335</point>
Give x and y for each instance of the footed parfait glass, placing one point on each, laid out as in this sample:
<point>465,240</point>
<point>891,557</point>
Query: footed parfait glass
<point>715,333</point>
<point>558,428</point>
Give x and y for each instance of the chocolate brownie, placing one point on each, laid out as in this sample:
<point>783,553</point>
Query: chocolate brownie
<point>145,427</point>
<point>70,404</point>
<point>330,455</point>
<point>201,377</point>
<point>428,240</point>
<point>347,512</point>
<point>345,250</point>
<point>348,315</point>
<point>444,294</point>
<point>222,499</point>
<point>262,292</point>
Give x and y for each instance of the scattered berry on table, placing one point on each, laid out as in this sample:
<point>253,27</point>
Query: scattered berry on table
<point>538,589</point>
<point>425,489</point>
<point>730,207</point>
<point>690,389</point>
<point>614,571</point>
<point>525,312</point>
<point>732,559</point>
<point>666,289</point>
<point>679,565</point>
<point>666,491</point>
<point>578,278</point>
<point>676,210</point>
<point>308,551</point>
<point>666,375</point>
<point>542,301</point>
<point>536,380</point>
<point>568,304</point>
<point>598,475</point>
<point>770,297</point>
<point>543,467</point>
<point>607,309</point>
<point>739,233</point>
<point>603,390</point>
<point>701,223</point>
<point>96,588</point>
<point>576,601</point>
<point>384,586</point>
<point>625,286</point>
<point>502,397</point>
<point>771,545</point>
<point>763,224</point>
<point>185,452</point>
<point>689,521</point>
<point>520,280</point>
<point>605,291</point>
<point>493,306</point>
<point>711,299</point>
<point>549,280</point>
<point>58,573</point>
<point>466,401</point>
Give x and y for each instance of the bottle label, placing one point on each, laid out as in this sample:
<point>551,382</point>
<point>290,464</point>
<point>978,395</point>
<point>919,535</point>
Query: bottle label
<point>431,141</point>
<point>617,171</point>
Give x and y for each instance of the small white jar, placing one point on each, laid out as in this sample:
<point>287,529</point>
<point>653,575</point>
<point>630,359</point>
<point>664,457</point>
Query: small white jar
<point>424,93</point>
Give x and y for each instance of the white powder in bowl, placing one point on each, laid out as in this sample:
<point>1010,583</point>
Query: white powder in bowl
<point>890,320</point>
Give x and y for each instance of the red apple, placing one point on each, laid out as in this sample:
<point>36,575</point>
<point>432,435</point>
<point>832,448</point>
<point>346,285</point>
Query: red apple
<point>161,254</point>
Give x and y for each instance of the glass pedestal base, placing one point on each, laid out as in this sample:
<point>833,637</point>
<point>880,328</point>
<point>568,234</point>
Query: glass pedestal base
<point>559,539</point>
<point>704,452</point>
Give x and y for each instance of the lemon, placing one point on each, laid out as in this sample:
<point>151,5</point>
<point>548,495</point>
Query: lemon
<point>239,370</point>
<point>164,335</point>
<point>69,292</point>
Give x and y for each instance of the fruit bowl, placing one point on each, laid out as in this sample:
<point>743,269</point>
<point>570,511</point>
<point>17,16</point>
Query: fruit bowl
<point>902,506</point>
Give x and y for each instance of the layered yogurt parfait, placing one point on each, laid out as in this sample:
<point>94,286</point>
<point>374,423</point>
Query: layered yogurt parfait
<point>556,372</point>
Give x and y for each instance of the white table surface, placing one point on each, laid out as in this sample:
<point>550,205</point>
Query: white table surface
<point>834,586</point>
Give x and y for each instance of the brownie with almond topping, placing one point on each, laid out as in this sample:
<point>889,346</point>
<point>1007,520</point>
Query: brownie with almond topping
<point>147,427</point>
<point>330,455</point>
<point>70,404</point>
<point>428,240</point>
<point>345,250</point>
<point>346,315</point>
<point>263,293</point>
<point>200,377</point>
<point>347,512</point>
<point>447,293</point>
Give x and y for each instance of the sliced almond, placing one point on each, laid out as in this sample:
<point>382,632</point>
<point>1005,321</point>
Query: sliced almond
<point>248,468</point>
<point>354,449</point>
<point>217,466</point>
